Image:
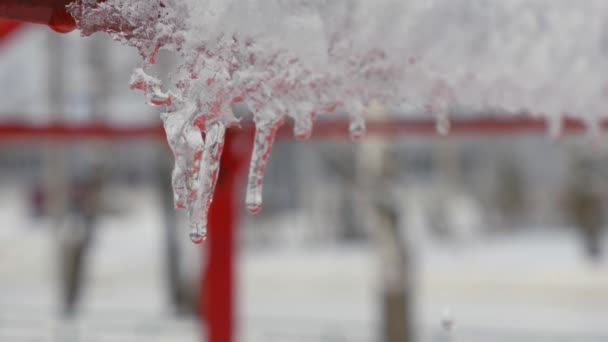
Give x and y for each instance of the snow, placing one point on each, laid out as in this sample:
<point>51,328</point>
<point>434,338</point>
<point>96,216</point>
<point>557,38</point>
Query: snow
<point>520,287</point>
<point>531,286</point>
<point>301,58</point>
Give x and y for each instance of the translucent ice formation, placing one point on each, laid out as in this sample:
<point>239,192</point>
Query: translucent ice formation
<point>299,58</point>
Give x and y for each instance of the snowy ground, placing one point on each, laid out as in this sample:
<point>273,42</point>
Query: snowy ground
<point>528,287</point>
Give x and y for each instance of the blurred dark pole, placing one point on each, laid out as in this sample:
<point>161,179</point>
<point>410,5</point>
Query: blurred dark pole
<point>56,180</point>
<point>85,195</point>
<point>172,256</point>
<point>181,294</point>
<point>377,175</point>
<point>100,76</point>
<point>585,205</point>
<point>55,171</point>
<point>397,301</point>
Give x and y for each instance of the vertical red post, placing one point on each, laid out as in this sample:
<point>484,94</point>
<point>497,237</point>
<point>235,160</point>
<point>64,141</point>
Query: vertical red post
<point>217,299</point>
<point>7,28</point>
<point>49,12</point>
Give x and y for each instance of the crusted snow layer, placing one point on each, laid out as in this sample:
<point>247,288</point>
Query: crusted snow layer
<point>298,58</point>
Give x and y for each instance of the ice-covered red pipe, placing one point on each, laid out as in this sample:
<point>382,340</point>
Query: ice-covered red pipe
<point>47,12</point>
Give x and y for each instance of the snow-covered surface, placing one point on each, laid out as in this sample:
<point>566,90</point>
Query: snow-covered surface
<point>296,59</point>
<point>542,56</point>
<point>124,293</point>
<point>532,286</point>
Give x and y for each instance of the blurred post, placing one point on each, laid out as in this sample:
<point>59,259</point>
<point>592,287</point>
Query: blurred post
<point>585,205</point>
<point>55,168</point>
<point>54,171</point>
<point>377,176</point>
<point>86,187</point>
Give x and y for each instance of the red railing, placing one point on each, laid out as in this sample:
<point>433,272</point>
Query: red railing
<point>324,129</point>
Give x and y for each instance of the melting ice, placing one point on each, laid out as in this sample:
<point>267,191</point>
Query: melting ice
<point>300,58</point>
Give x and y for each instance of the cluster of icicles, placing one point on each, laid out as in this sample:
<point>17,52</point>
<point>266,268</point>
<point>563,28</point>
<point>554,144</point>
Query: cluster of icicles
<point>299,58</point>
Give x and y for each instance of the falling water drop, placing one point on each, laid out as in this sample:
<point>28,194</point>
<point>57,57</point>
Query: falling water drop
<point>254,200</point>
<point>265,133</point>
<point>447,320</point>
<point>198,233</point>
<point>594,129</point>
<point>554,126</point>
<point>443,124</point>
<point>357,127</point>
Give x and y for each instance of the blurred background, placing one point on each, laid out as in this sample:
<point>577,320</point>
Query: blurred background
<point>481,238</point>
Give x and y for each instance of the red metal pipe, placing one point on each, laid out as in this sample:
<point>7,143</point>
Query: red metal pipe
<point>324,129</point>
<point>7,28</point>
<point>31,132</point>
<point>47,12</point>
<point>216,300</point>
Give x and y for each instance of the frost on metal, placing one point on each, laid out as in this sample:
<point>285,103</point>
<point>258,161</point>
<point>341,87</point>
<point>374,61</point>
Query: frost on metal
<point>300,58</point>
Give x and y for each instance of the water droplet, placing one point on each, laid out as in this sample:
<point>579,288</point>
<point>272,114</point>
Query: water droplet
<point>356,113</point>
<point>357,127</point>
<point>198,234</point>
<point>253,200</point>
<point>554,126</point>
<point>443,124</point>
<point>447,320</point>
<point>594,129</point>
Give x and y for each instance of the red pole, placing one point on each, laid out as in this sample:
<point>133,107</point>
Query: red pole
<point>216,301</point>
<point>48,12</point>
<point>7,28</point>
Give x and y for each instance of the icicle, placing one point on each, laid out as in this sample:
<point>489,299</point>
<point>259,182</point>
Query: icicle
<point>327,52</point>
<point>594,130</point>
<point>198,232</point>
<point>357,127</point>
<point>442,123</point>
<point>265,132</point>
<point>447,320</point>
<point>554,126</point>
<point>207,179</point>
<point>187,144</point>
<point>303,124</point>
